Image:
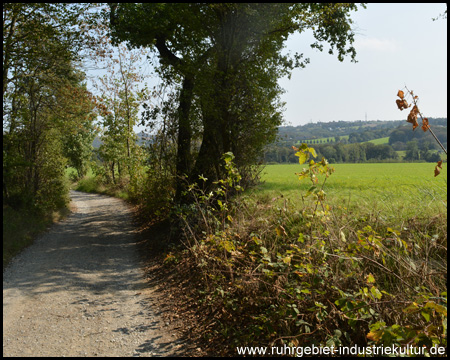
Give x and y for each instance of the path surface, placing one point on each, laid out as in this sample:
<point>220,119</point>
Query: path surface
<point>79,290</point>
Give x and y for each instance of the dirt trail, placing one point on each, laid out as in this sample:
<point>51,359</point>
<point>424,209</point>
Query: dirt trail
<point>79,290</point>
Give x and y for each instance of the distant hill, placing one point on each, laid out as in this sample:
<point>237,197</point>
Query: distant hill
<point>353,131</point>
<point>357,139</point>
<point>365,130</point>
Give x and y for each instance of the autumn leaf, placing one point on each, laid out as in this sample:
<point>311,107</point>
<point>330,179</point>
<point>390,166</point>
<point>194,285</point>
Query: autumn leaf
<point>401,104</point>
<point>425,124</point>
<point>412,117</point>
<point>436,169</point>
<point>401,94</point>
<point>375,335</point>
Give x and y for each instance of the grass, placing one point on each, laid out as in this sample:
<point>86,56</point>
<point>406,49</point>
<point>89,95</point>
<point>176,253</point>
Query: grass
<point>380,141</point>
<point>90,184</point>
<point>395,188</point>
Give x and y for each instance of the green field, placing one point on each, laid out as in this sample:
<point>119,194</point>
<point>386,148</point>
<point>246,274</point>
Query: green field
<point>401,189</point>
<point>380,141</point>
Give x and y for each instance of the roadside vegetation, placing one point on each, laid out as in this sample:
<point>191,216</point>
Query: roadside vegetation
<point>305,269</point>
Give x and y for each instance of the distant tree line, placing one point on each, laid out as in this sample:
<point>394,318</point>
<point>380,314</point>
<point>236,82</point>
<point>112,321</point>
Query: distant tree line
<point>417,145</point>
<point>401,136</point>
<point>355,131</point>
<point>356,153</point>
<point>336,153</point>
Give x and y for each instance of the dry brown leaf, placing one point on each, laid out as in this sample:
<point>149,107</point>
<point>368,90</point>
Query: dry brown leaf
<point>425,124</point>
<point>402,104</point>
<point>436,171</point>
<point>401,94</point>
<point>412,118</point>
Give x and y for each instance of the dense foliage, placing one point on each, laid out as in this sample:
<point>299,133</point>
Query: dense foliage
<point>47,111</point>
<point>224,61</point>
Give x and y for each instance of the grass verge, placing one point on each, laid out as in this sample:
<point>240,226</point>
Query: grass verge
<point>91,184</point>
<point>21,227</point>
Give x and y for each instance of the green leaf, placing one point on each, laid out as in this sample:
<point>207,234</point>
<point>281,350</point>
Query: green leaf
<point>438,308</point>
<point>302,157</point>
<point>426,315</point>
<point>312,151</point>
<point>411,308</point>
<point>376,293</point>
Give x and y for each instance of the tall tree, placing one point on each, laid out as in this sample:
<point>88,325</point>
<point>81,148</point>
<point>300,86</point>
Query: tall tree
<point>228,58</point>
<point>119,97</point>
<point>42,93</point>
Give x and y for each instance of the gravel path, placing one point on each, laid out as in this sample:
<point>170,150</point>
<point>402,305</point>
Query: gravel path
<point>79,290</point>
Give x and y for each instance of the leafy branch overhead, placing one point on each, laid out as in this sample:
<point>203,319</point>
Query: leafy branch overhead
<point>412,118</point>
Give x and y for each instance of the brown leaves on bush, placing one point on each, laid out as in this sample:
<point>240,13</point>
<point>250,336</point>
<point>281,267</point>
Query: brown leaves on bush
<point>412,117</point>
<point>402,104</point>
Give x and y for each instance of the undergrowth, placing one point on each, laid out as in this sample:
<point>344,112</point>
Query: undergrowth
<point>272,274</point>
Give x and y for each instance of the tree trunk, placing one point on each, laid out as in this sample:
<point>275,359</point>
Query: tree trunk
<point>184,160</point>
<point>112,173</point>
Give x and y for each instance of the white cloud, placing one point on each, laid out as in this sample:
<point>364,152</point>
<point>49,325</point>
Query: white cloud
<point>375,44</point>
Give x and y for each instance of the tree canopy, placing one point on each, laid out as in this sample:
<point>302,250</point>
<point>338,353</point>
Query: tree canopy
<point>226,59</point>
<point>47,111</point>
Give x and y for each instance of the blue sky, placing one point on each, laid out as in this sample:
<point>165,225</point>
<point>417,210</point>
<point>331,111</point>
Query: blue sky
<point>397,45</point>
